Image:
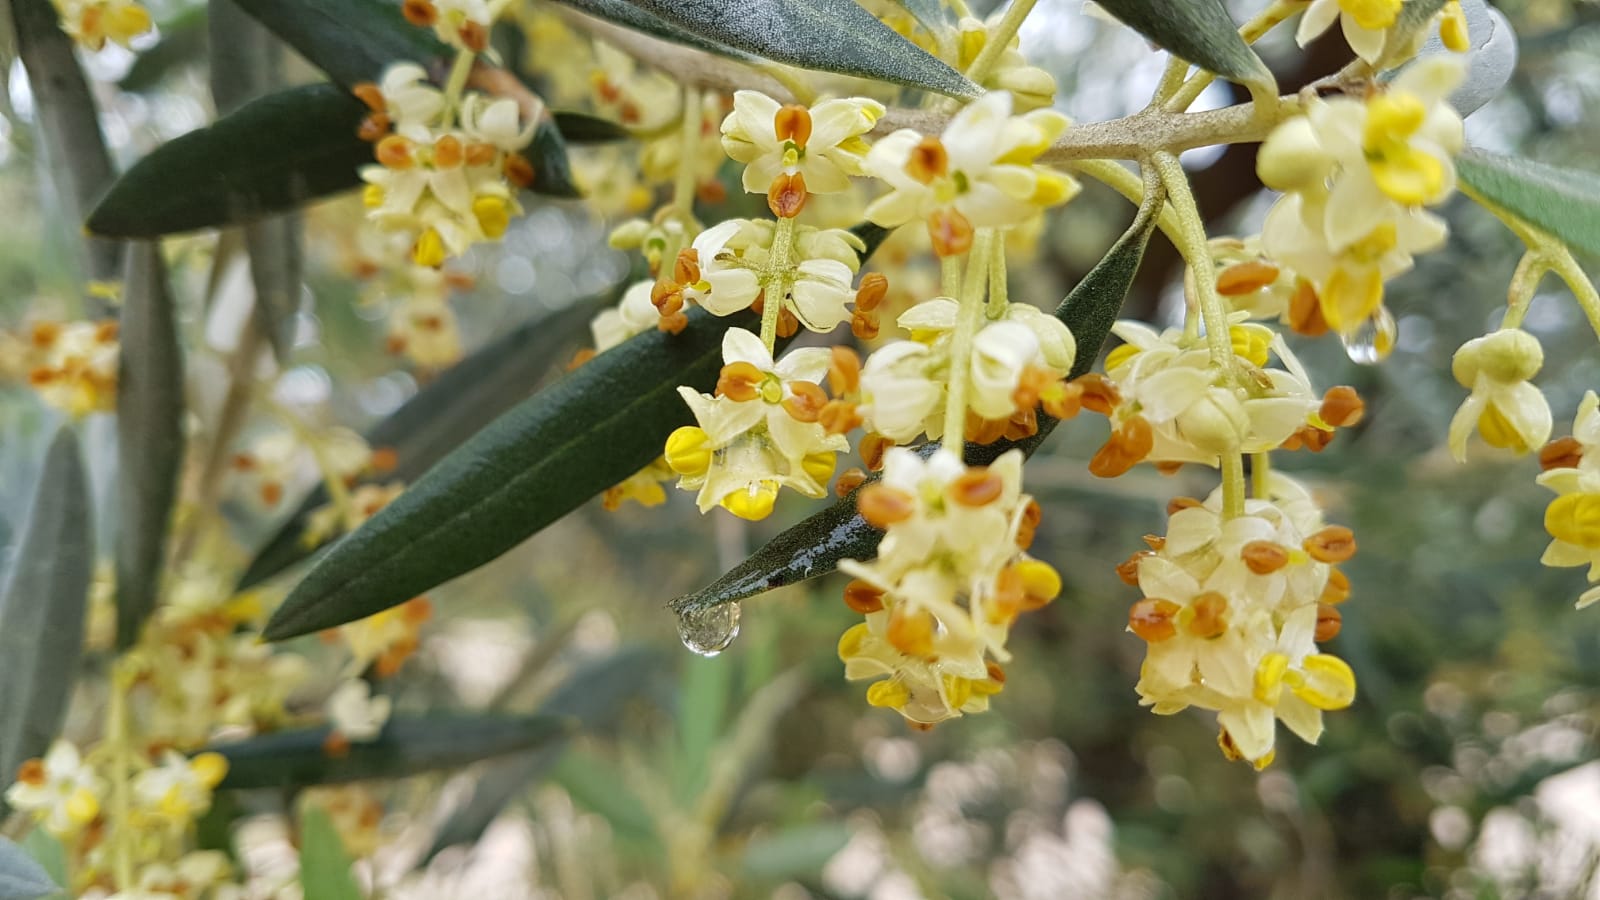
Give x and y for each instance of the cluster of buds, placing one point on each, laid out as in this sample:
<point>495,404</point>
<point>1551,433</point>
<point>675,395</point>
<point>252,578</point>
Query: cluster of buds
<point>94,22</point>
<point>447,166</point>
<point>72,365</point>
<point>1232,612</point>
<point>951,578</point>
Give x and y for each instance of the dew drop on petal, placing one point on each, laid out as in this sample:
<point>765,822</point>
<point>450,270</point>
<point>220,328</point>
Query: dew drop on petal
<point>1373,340</point>
<point>709,631</point>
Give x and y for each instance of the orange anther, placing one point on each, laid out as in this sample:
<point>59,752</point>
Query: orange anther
<point>1342,407</point>
<point>1333,544</point>
<point>673,323</point>
<point>31,773</point>
<point>1561,453</point>
<point>911,631</point>
<point>806,401</point>
<point>873,447</point>
<point>420,13</point>
<point>481,154</point>
<point>864,325</point>
<point>1098,393</point>
<point>1179,504</point>
<point>368,93</point>
<point>384,459</point>
<point>1337,590</point>
<point>44,334</point>
<point>840,416</point>
<point>1305,311</point>
<point>1151,619</point>
<point>1028,527</point>
<point>870,293</point>
<point>686,268</point>
<point>844,371</point>
<point>984,431</point>
<point>882,505</point>
<point>1130,443</point>
<point>863,597</point>
<point>1210,615</point>
<point>1023,424</point>
<point>1245,278</point>
<point>474,36</point>
<point>1264,557</point>
<point>793,123</point>
<point>335,745</point>
<point>928,161</point>
<point>849,480</point>
<point>1329,622</point>
<point>740,381</point>
<point>395,152</point>
<point>788,323</point>
<point>373,127</point>
<point>447,152</point>
<point>976,487</point>
<point>518,170</point>
<point>950,232</point>
<point>787,195</point>
<point>105,331</point>
<point>1128,569</point>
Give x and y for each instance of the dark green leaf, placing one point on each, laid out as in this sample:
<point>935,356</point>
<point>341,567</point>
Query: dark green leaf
<point>828,35</point>
<point>273,155</point>
<point>592,429</point>
<point>247,63</point>
<point>42,607</point>
<point>407,746</point>
<point>1564,202</point>
<point>1198,31</point>
<point>183,41</point>
<point>815,546</point>
<point>47,851</point>
<point>799,851</point>
<point>460,402</point>
<point>149,437</point>
<point>582,128</point>
<point>20,877</point>
<point>624,13</point>
<point>594,696</point>
<point>324,865</point>
<point>552,171</point>
<point>595,784</point>
<point>69,120</point>
<point>351,40</point>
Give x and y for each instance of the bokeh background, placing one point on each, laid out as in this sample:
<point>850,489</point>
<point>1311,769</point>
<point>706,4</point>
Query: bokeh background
<point>1466,769</point>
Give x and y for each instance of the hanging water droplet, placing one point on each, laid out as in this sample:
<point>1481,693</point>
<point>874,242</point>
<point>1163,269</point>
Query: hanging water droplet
<point>1373,340</point>
<point>711,630</point>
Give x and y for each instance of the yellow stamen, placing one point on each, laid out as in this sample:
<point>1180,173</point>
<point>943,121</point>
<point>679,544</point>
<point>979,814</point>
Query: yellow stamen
<point>1575,519</point>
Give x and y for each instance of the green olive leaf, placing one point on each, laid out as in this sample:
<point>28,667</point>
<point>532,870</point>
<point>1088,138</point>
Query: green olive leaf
<point>1564,202</point>
<point>461,401</point>
<point>815,546</point>
<point>828,35</point>
<point>150,410</point>
<point>21,878</point>
<point>407,746</point>
<point>324,864</point>
<point>1198,31</point>
<point>43,605</point>
<point>626,14</point>
<point>351,40</point>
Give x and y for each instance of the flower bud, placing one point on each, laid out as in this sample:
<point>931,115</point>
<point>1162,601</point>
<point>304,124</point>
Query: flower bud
<point>1507,356</point>
<point>1216,423</point>
<point>1292,158</point>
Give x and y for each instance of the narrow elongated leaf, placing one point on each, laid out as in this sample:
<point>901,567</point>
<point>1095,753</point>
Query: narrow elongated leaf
<point>1564,202</point>
<point>828,35</point>
<point>582,128</point>
<point>626,14</point>
<point>595,427</point>
<point>593,696</point>
<point>324,864</point>
<point>797,852</point>
<point>70,122</point>
<point>20,877</point>
<point>42,607</point>
<point>272,155</point>
<point>351,40</point>
<point>815,546</point>
<point>150,408</point>
<point>407,746</point>
<point>1198,31</point>
<point>454,406</point>
<point>247,63</point>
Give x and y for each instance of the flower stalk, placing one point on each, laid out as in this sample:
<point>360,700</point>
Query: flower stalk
<point>969,318</point>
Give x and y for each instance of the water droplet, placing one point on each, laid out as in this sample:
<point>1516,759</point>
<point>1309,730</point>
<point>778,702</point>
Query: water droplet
<point>1373,340</point>
<point>709,631</point>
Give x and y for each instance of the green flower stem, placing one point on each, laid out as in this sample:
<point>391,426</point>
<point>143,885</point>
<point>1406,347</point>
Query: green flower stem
<point>999,297</point>
<point>1128,184</point>
<point>1196,249</point>
<point>776,281</point>
<point>460,71</point>
<point>338,492</point>
<point>1251,31</point>
<point>969,318</point>
<point>1232,484</point>
<point>1531,270</point>
<point>999,39</point>
<point>1260,475</point>
<point>1551,255</point>
<point>121,786</point>
<point>950,276</point>
<point>688,151</point>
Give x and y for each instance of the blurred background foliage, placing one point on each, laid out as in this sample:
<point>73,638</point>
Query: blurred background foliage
<point>1467,767</point>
